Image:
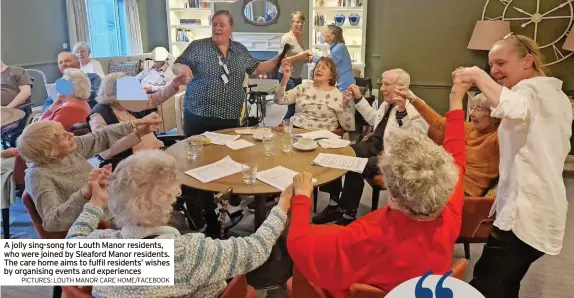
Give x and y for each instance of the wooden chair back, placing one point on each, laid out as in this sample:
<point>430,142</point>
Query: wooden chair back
<point>77,291</point>
<point>238,288</point>
<point>299,286</point>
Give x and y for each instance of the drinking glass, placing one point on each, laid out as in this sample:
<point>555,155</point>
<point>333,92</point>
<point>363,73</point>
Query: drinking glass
<point>249,173</point>
<point>193,147</point>
<point>269,144</point>
<point>286,142</point>
<point>288,125</point>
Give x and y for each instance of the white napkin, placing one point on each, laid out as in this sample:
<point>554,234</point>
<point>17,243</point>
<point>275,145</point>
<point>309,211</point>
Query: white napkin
<point>239,144</point>
<point>334,143</point>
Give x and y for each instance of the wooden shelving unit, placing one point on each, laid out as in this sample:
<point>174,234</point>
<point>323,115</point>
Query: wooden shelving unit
<point>355,35</point>
<point>178,10</point>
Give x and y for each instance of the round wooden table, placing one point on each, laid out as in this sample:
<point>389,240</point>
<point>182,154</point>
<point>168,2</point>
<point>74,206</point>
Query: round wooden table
<point>10,115</point>
<point>295,160</point>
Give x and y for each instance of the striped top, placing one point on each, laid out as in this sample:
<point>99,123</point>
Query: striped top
<point>201,264</point>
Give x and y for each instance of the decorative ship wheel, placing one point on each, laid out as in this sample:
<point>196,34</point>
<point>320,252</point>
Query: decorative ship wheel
<point>530,17</point>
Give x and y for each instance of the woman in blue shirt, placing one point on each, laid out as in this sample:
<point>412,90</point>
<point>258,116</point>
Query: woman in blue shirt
<point>340,55</point>
<point>216,67</point>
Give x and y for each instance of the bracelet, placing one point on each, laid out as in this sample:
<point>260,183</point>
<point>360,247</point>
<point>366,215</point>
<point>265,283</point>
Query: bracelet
<point>133,123</point>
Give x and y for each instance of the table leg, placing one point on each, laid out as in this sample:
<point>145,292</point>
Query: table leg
<point>260,210</point>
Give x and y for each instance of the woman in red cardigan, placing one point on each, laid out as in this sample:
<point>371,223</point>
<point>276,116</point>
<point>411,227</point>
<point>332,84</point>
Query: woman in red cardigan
<point>413,234</point>
<point>73,108</point>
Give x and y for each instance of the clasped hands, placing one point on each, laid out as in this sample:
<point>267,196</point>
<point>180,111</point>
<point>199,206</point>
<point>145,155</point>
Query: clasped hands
<point>96,189</point>
<point>302,185</point>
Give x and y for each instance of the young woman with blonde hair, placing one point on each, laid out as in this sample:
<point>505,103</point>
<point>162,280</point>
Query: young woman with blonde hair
<point>534,137</point>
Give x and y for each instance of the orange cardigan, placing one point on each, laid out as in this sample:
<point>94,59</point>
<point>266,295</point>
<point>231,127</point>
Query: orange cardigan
<point>482,153</point>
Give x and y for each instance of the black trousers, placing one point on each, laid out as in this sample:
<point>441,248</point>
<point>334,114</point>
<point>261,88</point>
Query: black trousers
<point>354,182</point>
<point>504,262</point>
<point>195,125</point>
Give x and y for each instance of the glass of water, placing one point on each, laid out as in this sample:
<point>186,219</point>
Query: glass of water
<point>249,173</point>
<point>269,144</point>
<point>288,125</point>
<point>286,142</point>
<point>193,147</point>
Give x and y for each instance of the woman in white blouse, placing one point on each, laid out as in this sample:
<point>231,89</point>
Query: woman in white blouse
<point>534,139</point>
<point>318,105</point>
<point>88,65</point>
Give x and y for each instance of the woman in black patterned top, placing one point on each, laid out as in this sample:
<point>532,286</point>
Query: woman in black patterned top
<point>216,67</point>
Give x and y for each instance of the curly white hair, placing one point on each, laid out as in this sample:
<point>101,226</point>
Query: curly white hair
<point>419,174</point>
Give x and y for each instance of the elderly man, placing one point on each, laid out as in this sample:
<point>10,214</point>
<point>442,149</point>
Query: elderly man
<point>393,114</point>
<point>68,60</point>
<point>159,74</point>
<point>16,88</point>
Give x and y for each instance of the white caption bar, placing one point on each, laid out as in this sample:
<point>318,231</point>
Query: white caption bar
<point>105,262</point>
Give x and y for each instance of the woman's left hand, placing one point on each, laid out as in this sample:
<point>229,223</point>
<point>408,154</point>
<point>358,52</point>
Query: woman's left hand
<point>179,80</point>
<point>99,191</point>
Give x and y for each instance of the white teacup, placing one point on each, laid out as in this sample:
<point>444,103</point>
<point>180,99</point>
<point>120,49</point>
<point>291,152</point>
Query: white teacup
<point>306,142</point>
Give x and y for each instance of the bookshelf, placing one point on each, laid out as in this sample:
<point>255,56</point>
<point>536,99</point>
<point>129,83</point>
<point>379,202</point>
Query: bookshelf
<point>187,20</point>
<point>323,12</point>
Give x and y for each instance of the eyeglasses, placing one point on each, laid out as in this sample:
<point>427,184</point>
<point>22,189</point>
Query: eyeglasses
<point>476,109</point>
<point>507,36</point>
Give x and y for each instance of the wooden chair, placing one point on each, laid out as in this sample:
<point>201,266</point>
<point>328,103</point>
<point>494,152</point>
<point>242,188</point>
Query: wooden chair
<point>77,291</point>
<point>238,288</point>
<point>298,286</point>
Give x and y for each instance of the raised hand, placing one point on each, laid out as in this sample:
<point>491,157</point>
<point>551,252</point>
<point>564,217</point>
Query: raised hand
<point>468,74</point>
<point>286,68</point>
<point>285,198</point>
<point>147,124</point>
<point>356,91</point>
<point>405,92</point>
<point>180,80</point>
<point>99,190</point>
<point>182,69</point>
<point>303,184</point>
<point>347,97</point>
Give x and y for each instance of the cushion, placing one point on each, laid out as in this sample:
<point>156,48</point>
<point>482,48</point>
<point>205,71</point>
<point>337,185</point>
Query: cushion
<point>129,68</point>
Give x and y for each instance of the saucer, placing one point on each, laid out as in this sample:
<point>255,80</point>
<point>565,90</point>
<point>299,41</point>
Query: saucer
<point>302,147</point>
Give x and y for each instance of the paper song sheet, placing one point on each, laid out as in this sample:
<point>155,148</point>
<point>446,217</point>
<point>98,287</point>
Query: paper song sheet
<point>220,139</point>
<point>217,170</point>
<point>353,164</point>
<point>318,134</point>
<point>278,177</point>
<point>239,144</point>
<point>52,92</point>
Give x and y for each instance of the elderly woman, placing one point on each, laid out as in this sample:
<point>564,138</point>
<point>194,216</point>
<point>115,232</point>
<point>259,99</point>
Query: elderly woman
<point>319,105</point>
<point>214,96</point>
<point>141,192</point>
<point>296,55</point>
<point>58,168</point>
<point>73,108</point>
<point>88,65</point>
<point>413,234</point>
<point>340,55</point>
<point>534,137</point>
<point>110,111</point>
<point>482,149</point>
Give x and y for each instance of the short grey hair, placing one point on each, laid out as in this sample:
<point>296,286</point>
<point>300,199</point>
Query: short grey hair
<point>107,91</point>
<point>480,100</point>
<point>419,174</point>
<point>36,142</point>
<point>403,77</point>
<point>80,81</point>
<point>81,45</point>
<point>143,189</point>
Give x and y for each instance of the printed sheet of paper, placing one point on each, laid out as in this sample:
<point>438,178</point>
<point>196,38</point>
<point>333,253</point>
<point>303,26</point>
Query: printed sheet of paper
<point>318,134</point>
<point>217,170</point>
<point>239,144</point>
<point>245,131</point>
<point>353,164</point>
<point>278,177</point>
<point>220,139</point>
<point>52,91</point>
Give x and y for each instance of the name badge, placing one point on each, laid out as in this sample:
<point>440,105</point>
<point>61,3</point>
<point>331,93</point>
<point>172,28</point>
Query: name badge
<point>226,69</point>
<point>225,79</point>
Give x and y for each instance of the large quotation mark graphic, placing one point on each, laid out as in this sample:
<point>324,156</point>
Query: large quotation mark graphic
<point>421,292</point>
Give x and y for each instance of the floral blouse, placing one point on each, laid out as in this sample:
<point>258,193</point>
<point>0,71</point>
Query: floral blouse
<point>317,109</point>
